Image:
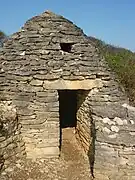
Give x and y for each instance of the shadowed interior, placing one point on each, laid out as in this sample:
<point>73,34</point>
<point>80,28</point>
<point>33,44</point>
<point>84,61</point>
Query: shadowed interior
<point>67,108</point>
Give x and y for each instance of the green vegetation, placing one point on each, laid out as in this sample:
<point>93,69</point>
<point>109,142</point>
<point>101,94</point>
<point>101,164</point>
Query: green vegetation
<point>2,37</point>
<point>122,62</point>
<point>2,34</point>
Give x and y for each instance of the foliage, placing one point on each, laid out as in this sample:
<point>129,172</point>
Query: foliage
<point>122,62</point>
<point>2,34</point>
<point>2,37</point>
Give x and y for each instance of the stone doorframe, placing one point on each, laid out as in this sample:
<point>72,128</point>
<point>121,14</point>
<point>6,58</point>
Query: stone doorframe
<point>61,84</point>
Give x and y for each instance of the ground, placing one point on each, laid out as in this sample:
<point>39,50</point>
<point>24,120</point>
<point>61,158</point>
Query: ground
<point>72,164</point>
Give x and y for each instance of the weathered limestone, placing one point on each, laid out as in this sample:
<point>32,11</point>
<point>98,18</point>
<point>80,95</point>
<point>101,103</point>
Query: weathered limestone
<point>84,121</point>
<point>75,84</point>
<point>49,54</point>
<point>11,144</point>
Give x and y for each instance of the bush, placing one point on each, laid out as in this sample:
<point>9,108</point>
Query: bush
<point>122,62</point>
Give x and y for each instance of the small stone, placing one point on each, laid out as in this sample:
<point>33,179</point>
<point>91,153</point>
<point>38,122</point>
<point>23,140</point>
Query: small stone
<point>9,169</point>
<point>115,128</point>
<point>132,122</point>
<point>19,166</point>
<point>23,53</point>
<point>113,136</point>
<point>118,121</point>
<point>36,82</point>
<point>111,122</point>
<point>44,52</point>
<point>132,133</point>
<point>57,70</point>
<point>125,105</point>
<point>106,120</point>
<point>106,130</point>
<point>131,108</point>
<point>125,122</point>
<point>3,173</point>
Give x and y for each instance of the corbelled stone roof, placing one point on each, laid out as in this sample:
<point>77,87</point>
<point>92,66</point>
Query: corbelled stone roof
<point>48,54</point>
<point>37,50</point>
<point>50,25</point>
<point>49,22</point>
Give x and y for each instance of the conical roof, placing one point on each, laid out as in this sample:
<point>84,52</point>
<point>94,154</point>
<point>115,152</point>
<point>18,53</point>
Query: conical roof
<point>49,46</point>
<point>49,25</point>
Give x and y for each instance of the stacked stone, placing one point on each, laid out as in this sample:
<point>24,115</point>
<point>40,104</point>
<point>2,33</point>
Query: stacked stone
<point>34,58</point>
<point>84,123</point>
<point>11,145</point>
<point>114,131</point>
<point>105,128</point>
<point>40,124</point>
<point>36,53</point>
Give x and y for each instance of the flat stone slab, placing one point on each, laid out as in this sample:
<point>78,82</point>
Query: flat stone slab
<point>66,84</point>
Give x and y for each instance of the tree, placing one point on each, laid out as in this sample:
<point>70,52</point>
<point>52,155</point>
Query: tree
<point>2,37</point>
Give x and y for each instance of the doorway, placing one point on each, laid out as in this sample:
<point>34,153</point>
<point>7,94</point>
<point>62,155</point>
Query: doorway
<point>67,110</point>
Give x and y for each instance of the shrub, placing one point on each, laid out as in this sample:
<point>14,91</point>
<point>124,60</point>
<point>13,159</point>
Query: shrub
<point>122,62</point>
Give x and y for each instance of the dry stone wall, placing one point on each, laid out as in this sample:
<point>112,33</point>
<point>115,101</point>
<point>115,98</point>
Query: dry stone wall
<point>40,125</point>
<point>84,121</point>
<point>105,128</point>
<point>114,131</point>
<point>33,57</point>
<point>11,144</point>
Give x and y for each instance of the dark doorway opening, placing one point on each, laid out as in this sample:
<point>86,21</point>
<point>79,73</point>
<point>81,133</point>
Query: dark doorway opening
<point>67,110</point>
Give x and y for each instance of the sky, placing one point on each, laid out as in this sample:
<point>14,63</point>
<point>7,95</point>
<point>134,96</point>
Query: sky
<point>112,21</point>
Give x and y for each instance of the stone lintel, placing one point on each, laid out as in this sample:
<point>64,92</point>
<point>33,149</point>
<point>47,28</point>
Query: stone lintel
<point>66,84</point>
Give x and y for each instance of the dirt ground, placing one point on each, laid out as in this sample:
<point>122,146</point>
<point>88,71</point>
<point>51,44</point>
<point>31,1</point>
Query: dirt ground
<point>72,164</point>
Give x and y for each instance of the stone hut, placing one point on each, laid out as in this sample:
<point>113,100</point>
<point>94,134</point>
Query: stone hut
<point>55,78</point>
